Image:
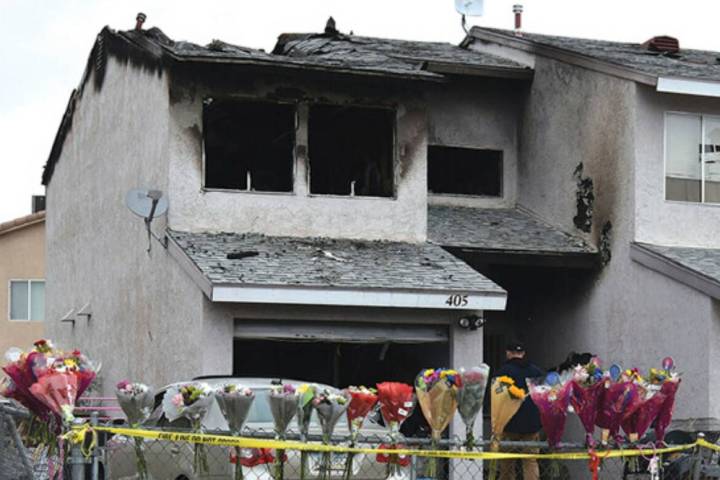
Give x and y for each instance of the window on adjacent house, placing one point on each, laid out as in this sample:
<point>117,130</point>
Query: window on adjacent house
<point>249,145</point>
<point>464,171</point>
<point>692,158</point>
<point>351,150</point>
<point>27,300</point>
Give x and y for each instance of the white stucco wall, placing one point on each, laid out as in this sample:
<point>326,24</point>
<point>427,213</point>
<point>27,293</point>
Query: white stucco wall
<point>298,214</point>
<point>658,220</point>
<point>480,114</point>
<point>146,313</point>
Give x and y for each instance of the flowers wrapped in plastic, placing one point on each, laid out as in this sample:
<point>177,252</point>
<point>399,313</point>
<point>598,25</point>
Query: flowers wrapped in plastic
<point>470,396</point>
<point>362,401</point>
<point>437,396</point>
<point>330,406</point>
<point>397,402</point>
<point>305,393</point>
<point>283,401</point>
<point>136,401</point>
<point>506,398</point>
<point>235,401</point>
<point>551,395</point>
<point>669,381</point>
<point>588,387</point>
<point>191,401</point>
<point>621,399</point>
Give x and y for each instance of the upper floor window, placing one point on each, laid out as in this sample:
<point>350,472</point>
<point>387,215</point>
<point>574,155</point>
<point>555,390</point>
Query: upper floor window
<point>351,150</point>
<point>27,300</point>
<point>249,145</point>
<point>692,158</point>
<point>465,171</point>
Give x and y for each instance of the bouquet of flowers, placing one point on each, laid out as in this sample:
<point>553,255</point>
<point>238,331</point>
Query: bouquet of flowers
<point>620,400</point>
<point>362,401</point>
<point>330,406</point>
<point>396,405</point>
<point>636,424</point>
<point>191,401</point>
<point>235,401</point>
<point>306,393</point>
<point>551,394</point>
<point>437,392</point>
<point>506,398</point>
<point>669,381</point>
<point>588,387</point>
<point>136,401</point>
<point>283,401</point>
<point>471,394</point>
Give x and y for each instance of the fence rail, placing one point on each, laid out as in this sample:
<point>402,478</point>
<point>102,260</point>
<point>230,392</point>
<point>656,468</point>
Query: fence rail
<point>112,453</point>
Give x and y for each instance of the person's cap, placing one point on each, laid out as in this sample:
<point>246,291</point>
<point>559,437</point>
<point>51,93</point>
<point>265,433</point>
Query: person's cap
<point>515,346</point>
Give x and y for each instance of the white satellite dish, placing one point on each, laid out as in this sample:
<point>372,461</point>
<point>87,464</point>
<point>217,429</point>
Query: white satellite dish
<point>147,204</point>
<point>470,8</point>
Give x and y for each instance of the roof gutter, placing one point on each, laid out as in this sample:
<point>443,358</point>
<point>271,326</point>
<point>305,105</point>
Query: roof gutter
<point>685,86</point>
<point>567,56</point>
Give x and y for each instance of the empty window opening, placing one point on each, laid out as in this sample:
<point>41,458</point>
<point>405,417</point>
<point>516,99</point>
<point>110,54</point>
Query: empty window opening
<point>465,171</point>
<point>351,150</point>
<point>249,145</point>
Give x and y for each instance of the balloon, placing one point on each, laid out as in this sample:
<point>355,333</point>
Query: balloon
<point>668,363</point>
<point>13,354</point>
<point>615,371</point>
<point>552,378</point>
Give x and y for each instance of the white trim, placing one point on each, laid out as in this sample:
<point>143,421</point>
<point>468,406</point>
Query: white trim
<point>686,86</point>
<point>356,297</point>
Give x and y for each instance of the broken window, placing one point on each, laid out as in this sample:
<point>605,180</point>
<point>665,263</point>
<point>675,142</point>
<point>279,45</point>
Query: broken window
<point>249,145</point>
<point>465,171</point>
<point>351,150</point>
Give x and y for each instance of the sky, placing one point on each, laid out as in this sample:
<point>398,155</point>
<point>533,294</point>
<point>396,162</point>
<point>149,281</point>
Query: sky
<point>44,46</point>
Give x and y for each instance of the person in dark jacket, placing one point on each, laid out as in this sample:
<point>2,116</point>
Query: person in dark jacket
<point>525,424</point>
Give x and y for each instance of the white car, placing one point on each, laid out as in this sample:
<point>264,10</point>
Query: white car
<point>174,460</point>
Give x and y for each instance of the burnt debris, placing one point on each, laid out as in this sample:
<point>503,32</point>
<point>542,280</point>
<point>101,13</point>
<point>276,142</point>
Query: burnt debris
<point>584,200</point>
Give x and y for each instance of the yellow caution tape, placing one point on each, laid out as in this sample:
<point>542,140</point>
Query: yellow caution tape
<point>245,442</point>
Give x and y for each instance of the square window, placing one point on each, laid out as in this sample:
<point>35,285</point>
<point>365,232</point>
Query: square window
<point>351,150</point>
<point>27,300</point>
<point>249,145</point>
<point>465,171</point>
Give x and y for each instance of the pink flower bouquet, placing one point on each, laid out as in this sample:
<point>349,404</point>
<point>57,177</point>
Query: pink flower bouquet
<point>551,394</point>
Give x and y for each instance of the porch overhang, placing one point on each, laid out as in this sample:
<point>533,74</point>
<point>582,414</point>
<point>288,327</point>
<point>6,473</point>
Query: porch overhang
<point>247,268</point>
<point>698,268</point>
<point>506,236</point>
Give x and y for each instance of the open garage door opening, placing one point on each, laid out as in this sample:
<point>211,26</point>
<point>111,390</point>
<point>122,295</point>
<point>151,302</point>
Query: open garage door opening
<point>339,354</point>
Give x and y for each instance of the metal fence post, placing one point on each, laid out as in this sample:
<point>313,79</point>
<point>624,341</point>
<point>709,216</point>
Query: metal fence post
<point>96,452</point>
<point>77,463</point>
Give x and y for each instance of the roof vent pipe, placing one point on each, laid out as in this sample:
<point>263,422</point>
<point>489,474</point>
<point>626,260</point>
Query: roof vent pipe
<point>139,20</point>
<point>663,44</point>
<point>518,10</point>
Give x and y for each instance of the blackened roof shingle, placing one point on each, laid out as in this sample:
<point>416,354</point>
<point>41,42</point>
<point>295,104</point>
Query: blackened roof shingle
<point>688,63</point>
<point>499,229</point>
<point>322,262</point>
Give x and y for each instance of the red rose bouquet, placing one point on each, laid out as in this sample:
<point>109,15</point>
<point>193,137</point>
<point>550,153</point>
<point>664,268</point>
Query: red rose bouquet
<point>397,402</point>
<point>362,401</point>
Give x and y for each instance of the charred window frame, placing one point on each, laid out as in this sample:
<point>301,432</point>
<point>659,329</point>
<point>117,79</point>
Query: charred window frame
<point>352,150</point>
<point>465,171</point>
<point>248,145</point>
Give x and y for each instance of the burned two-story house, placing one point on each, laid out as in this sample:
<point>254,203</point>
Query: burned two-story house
<point>347,209</point>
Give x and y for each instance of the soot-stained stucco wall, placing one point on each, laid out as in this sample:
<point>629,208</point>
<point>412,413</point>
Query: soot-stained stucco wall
<point>146,313</point>
<point>480,114</point>
<point>402,218</point>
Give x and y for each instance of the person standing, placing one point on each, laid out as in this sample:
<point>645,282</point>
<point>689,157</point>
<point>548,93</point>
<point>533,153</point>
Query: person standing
<point>525,424</point>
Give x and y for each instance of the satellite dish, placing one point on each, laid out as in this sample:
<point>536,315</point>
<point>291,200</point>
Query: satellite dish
<point>146,203</point>
<point>470,8</point>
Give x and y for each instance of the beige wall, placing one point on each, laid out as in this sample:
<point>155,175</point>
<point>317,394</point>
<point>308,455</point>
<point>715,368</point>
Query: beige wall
<point>22,256</point>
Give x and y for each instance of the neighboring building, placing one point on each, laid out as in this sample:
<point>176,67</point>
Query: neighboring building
<point>22,276</point>
<point>317,193</point>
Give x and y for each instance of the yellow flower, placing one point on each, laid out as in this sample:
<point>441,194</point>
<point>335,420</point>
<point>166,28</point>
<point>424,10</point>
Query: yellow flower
<point>428,372</point>
<point>516,392</point>
<point>70,362</point>
<point>303,388</point>
<point>506,380</point>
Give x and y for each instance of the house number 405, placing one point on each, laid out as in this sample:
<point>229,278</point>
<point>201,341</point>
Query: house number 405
<point>457,300</point>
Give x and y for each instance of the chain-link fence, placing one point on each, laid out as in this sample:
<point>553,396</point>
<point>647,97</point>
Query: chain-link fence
<point>108,452</point>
